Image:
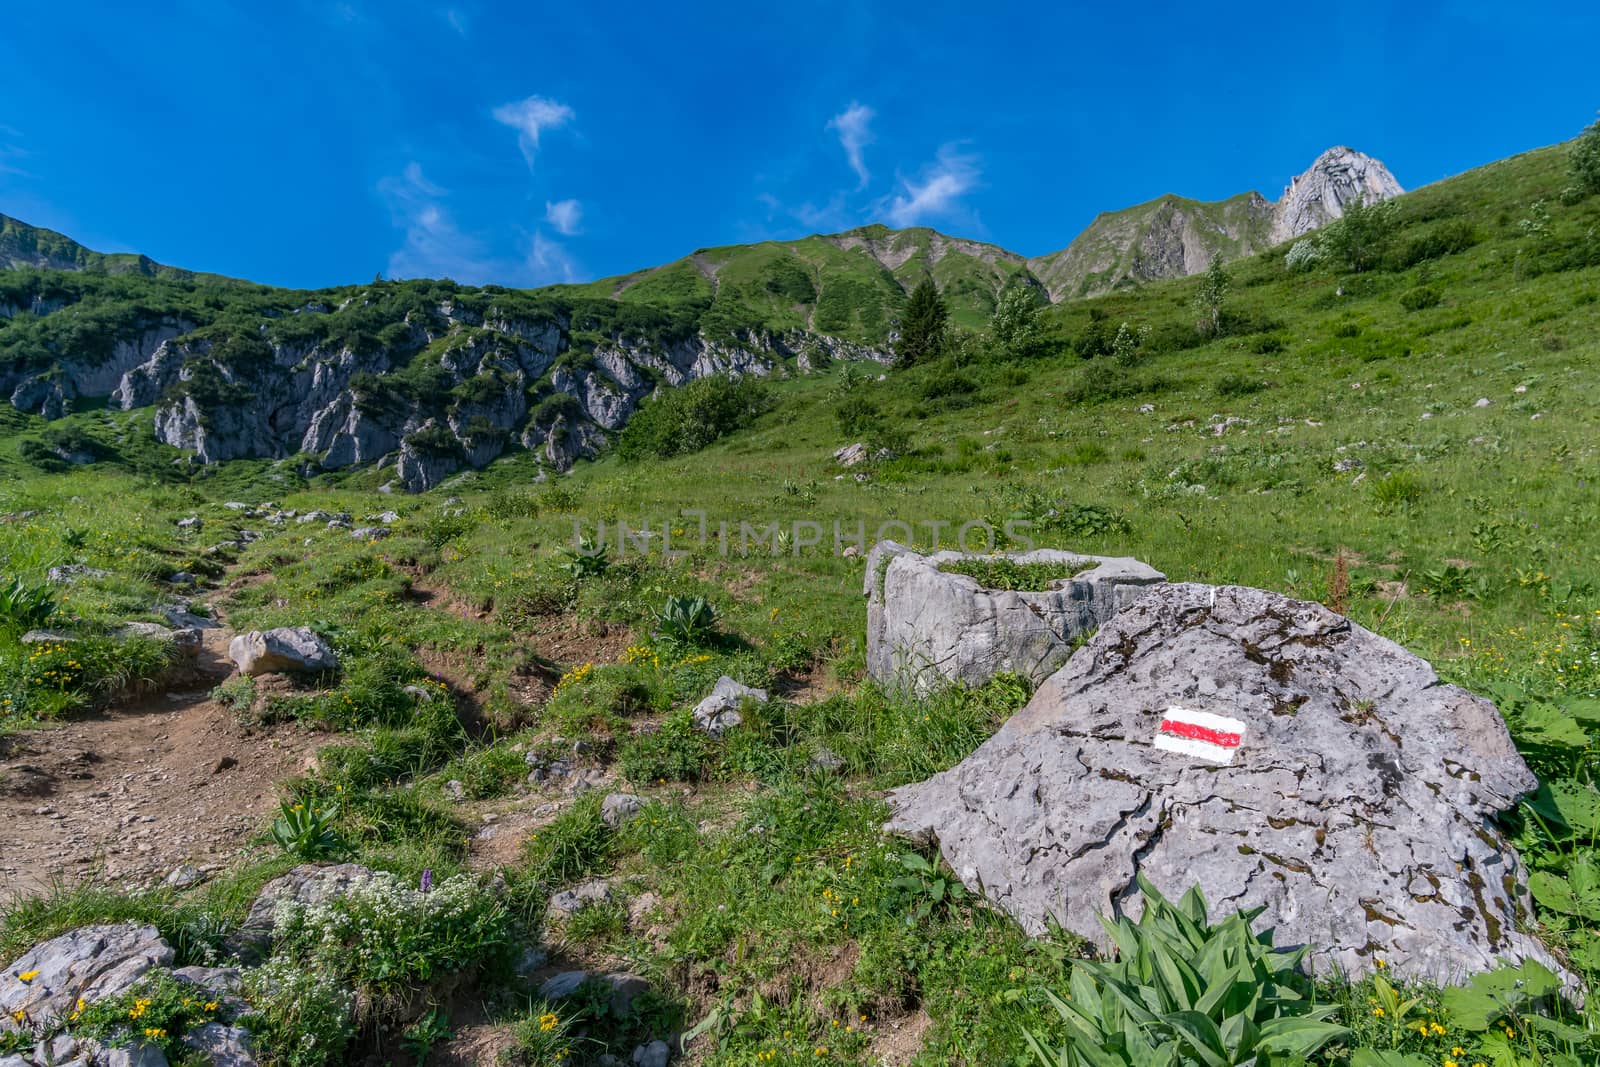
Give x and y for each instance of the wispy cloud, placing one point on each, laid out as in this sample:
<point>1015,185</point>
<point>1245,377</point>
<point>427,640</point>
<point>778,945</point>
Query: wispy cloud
<point>549,262</point>
<point>824,218</point>
<point>565,215</point>
<point>457,20</point>
<point>436,246</point>
<point>530,118</point>
<point>937,192</point>
<point>854,126</point>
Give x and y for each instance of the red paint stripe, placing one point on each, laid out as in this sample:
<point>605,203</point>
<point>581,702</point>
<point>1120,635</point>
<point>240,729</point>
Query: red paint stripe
<point>1199,733</point>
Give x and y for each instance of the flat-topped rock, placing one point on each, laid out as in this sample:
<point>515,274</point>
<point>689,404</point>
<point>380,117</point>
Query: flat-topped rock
<point>1267,749</point>
<point>287,649</point>
<point>928,627</point>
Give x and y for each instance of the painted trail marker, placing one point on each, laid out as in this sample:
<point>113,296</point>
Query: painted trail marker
<point>1199,734</point>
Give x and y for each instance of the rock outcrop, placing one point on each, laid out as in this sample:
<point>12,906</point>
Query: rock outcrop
<point>1274,752</point>
<point>1339,177</point>
<point>928,627</point>
<point>91,963</point>
<point>1174,236</point>
<point>309,883</point>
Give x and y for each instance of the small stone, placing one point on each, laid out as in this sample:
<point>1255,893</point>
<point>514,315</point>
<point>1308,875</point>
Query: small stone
<point>455,789</point>
<point>618,808</point>
<point>826,761</point>
<point>191,523</point>
<point>370,533</point>
<point>569,902</point>
<point>719,712</point>
<point>655,1054</point>
<point>184,876</point>
<point>68,573</point>
<point>226,763</point>
<point>1483,402</point>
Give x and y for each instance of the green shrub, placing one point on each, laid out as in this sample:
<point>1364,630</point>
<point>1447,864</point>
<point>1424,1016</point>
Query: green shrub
<point>304,829</point>
<point>386,937</point>
<point>1234,385</point>
<point>1182,990</point>
<point>1447,239</point>
<point>686,620</point>
<point>158,1010</point>
<point>25,606</point>
<point>576,844</point>
<point>1360,239</point>
<point>1398,490</point>
<point>1584,160</point>
<point>690,417</point>
<point>1420,298</point>
<point>675,752</point>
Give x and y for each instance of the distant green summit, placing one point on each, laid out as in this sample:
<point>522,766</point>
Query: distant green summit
<point>22,245</point>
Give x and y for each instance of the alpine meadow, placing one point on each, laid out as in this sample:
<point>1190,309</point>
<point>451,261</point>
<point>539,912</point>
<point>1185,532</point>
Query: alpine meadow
<point>873,647</point>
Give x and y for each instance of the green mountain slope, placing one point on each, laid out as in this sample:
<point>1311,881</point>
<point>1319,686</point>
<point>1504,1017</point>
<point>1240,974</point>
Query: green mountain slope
<point>22,245</point>
<point>1171,236</point>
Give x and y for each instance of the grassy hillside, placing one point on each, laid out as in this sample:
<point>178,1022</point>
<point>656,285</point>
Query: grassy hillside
<point>1415,443</point>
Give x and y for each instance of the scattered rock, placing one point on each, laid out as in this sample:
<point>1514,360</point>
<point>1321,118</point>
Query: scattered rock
<point>456,790</point>
<point>569,902</point>
<point>180,578</point>
<point>68,573</point>
<point>181,617</point>
<point>927,627</point>
<point>191,523</point>
<point>226,763</point>
<point>719,712</point>
<point>92,962</point>
<point>288,648</point>
<point>185,876</point>
<point>850,455</point>
<point>1342,466</point>
<point>625,988</point>
<point>619,808</point>
<point>370,533</point>
<point>826,761</point>
<point>655,1054</point>
<point>48,637</point>
<point>850,552</point>
<point>1276,753</point>
<point>1483,402</point>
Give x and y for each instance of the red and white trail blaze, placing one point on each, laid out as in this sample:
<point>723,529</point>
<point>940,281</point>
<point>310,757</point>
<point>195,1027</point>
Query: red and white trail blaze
<point>1200,734</point>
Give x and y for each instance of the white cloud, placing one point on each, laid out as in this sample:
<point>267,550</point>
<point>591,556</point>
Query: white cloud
<point>938,192</point>
<point>565,215</point>
<point>457,20</point>
<point>549,262</point>
<point>530,118</point>
<point>435,245</point>
<point>854,127</point>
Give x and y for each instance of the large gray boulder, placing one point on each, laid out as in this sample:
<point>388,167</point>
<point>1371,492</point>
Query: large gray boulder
<point>286,649</point>
<point>927,627</point>
<point>1267,749</point>
<point>91,962</point>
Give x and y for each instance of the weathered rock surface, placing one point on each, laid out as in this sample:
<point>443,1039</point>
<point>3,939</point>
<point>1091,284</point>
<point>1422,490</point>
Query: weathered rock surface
<point>569,902</point>
<point>618,809</point>
<point>927,627</point>
<point>308,883</point>
<point>719,712</point>
<point>1355,808</point>
<point>223,1046</point>
<point>1339,177</point>
<point>286,649</point>
<point>91,962</point>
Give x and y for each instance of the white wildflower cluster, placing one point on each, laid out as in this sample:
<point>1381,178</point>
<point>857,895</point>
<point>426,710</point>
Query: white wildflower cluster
<point>1303,255</point>
<point>307,1010</point>
<point>385,930</point>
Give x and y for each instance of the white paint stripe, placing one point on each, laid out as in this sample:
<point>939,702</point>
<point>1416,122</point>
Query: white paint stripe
<point>1186,746</point>
<point>1220,723</point>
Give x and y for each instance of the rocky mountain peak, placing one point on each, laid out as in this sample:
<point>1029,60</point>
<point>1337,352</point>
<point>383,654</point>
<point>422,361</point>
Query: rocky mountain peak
<point>1318,196</point>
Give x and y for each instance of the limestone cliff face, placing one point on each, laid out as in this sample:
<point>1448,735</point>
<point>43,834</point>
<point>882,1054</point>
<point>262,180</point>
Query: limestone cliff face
<point>493,382</point>
<point>1172,237</point>
<point>1340,176</point>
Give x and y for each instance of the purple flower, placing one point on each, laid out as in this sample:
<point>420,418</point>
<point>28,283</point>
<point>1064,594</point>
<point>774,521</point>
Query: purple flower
<point>427,879</point>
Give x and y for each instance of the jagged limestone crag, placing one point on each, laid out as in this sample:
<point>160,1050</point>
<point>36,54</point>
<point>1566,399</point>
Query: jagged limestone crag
<point>1174,236</point>
<point>927,627</point>
<point>1353,800</point>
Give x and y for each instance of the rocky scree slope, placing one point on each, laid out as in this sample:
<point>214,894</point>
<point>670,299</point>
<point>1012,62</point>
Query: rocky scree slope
<point>1173,236</point>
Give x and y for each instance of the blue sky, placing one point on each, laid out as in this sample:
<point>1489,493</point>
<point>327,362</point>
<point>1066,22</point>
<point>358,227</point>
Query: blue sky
<point>318,143</point>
